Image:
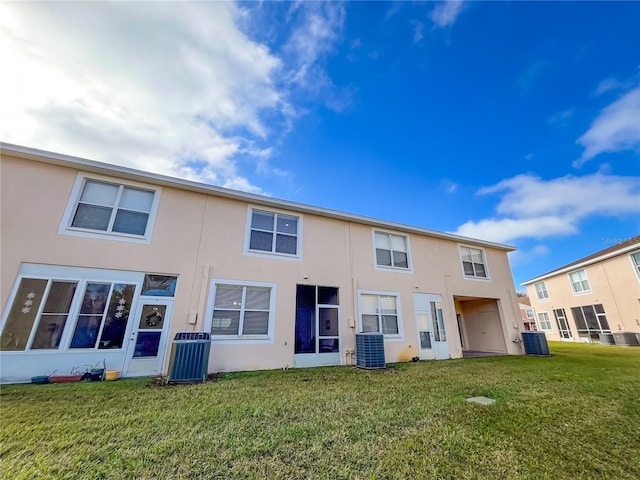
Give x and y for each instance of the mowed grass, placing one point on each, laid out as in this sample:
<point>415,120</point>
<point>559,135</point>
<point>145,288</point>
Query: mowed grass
<point>575,415</point>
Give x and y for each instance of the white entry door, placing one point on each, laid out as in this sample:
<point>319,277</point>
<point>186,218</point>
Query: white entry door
<point>432,336</point>
<point>148,339</point>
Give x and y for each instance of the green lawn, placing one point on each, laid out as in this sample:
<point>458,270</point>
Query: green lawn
<point>575,415</point>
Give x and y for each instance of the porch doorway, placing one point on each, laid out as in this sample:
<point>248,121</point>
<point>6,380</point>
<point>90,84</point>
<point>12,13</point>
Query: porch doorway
<point>480,326</point>
<point>432,336</point>
<point>317,328</point>
<point>148,338</point>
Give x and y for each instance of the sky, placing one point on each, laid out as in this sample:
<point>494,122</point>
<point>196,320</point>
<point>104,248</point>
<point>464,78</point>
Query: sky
<point>513,122</point>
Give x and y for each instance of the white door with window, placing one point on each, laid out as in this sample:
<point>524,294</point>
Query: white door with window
<point>148,338</point>
<point>432,336</point>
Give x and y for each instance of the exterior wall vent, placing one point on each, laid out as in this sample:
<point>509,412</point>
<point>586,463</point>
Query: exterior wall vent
<point>370,350</point>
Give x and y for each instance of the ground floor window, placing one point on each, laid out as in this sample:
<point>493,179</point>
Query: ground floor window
<point>544,323</point>
<point>103,317</point>
<point>563,324</point>
<point>590,320</point>
<point>76,309</point>
<point>380,312</point>
<point>241,310</point>
<point>46,310</point>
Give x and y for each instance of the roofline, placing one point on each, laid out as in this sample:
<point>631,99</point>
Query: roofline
<point>164,180</point>
<point>577,266</point>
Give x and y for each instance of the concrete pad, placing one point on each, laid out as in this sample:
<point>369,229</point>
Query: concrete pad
<point>481,400</point>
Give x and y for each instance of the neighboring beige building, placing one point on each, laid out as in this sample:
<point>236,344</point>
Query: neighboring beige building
<point>526,314</point>
<point>595,295</point>
<point>101,262</point>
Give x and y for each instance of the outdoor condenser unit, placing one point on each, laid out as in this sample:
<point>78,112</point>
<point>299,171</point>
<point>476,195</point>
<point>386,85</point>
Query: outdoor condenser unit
<point>189,359</point>
<point>370,350</point>
<point>607,339</point>
<point>627,339</point>
<point>535,343</point>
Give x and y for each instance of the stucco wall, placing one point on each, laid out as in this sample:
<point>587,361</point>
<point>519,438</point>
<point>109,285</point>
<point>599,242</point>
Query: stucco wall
<point>201,237</point>
<point>614,284</point>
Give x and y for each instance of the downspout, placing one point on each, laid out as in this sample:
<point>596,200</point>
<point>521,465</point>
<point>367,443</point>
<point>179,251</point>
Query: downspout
<point>354,298</point>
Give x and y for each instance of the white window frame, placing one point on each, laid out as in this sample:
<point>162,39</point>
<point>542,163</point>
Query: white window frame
<point>408,268</point>
<point>540,321</point>
<point>484,259</point>
<point>391,337</point>
<point>264,254</point>
<point>564,329</point>
<point>529,313</point>
<point>573,283</point>
<point>544,289</point>
<point>82,276</point>
<point>76,192</point>
<point>241,339</point>
<point>635,263</point>
<point>599,316</point>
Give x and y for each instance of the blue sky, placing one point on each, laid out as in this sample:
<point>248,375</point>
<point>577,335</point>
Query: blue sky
<point>517,122</point>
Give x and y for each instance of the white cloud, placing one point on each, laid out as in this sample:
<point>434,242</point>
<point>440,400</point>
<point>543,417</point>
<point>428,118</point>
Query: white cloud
<point>615,129</point>
<point>561,118</point>
<point>613,84</point>
<point>531,207</point>
<point>319,27</point>
<point>509,229</point>
<point>522,257</point>
<point>417,30</point>
<point>532,74</point>
<point>449,186</point>
<point>445,14</point>
<point>609,84</point>
<point>171,87</point>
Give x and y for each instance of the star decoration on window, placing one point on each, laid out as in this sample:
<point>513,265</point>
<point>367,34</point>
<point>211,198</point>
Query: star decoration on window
<point>28,303</point>
<point>120,308</point>
<point>118,315</point>
<point>26,310</point>
<point>31,295</point>
<point>122,301</point>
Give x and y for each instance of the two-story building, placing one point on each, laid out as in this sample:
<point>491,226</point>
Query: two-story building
<point>106,263</point>
<point>526,315</point>
<point>598,294</point>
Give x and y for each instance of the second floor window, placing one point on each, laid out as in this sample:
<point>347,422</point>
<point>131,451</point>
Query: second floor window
<point>579,282</point>
<point>473,262</point>
<point>107,209</point>
<point>113,208</point>
<point>391,250</point>
<point>273,233</point>
<point>541,291</point>
<point>635,258</point>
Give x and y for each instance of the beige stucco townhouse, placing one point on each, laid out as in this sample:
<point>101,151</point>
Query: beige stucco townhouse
<point>596,295</point>
<point>105,263</point>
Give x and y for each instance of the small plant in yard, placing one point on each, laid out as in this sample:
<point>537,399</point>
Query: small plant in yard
<point>574,415</point>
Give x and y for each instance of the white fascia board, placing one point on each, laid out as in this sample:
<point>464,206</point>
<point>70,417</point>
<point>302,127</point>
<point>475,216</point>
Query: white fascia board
<point>93,166</point>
